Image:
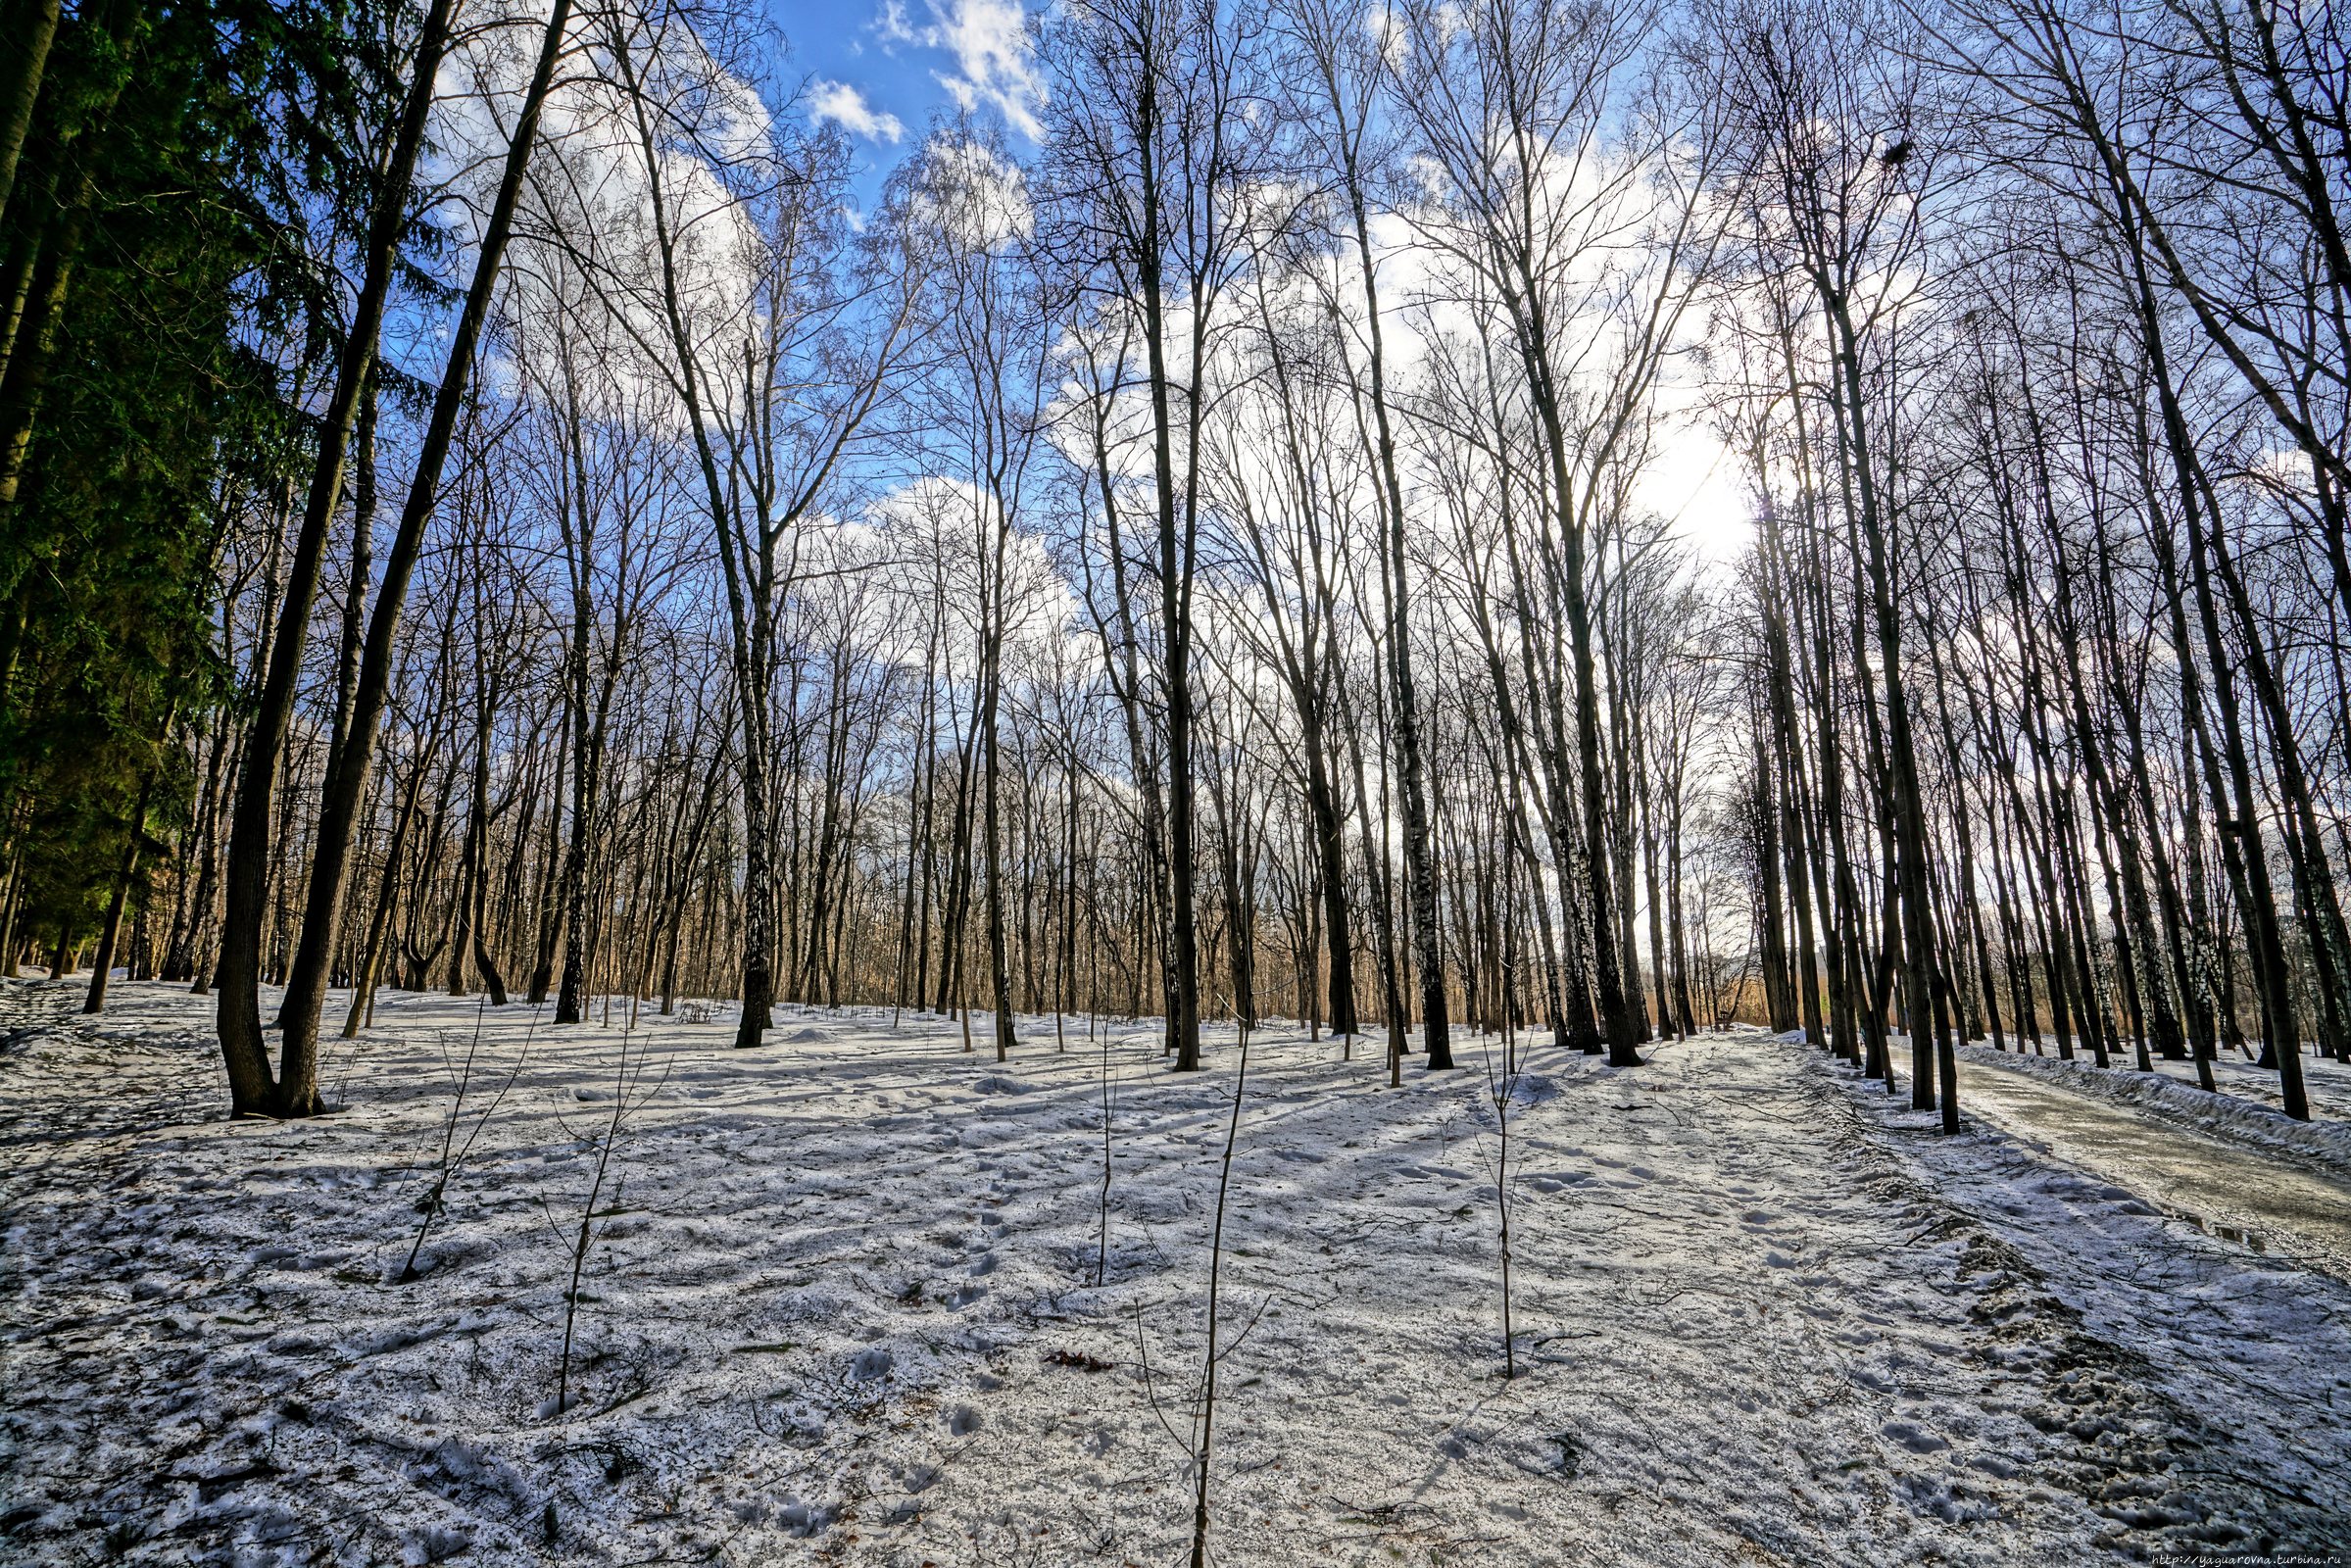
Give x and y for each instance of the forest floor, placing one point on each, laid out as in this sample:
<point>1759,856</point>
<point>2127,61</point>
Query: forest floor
<point>842,1307</point>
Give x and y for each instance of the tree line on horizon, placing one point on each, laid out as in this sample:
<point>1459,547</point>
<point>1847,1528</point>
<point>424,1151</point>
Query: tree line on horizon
<point>503,500</point>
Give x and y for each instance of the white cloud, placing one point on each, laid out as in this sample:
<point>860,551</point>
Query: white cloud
<point>894,27</point>
<point>990,40</point>
<point>1693,481</point>
<point>846,107</point>
<point>971,194</point>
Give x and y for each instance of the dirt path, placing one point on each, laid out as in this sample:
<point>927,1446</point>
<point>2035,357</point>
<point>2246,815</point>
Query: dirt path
<point>2224,1188</point>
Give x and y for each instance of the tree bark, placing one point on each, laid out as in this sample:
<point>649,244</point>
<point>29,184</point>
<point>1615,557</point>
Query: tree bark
<point>297,1093</point>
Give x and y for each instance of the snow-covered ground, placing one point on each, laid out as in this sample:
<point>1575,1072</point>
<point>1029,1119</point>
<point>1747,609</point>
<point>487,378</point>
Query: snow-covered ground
<point>842,1307</point>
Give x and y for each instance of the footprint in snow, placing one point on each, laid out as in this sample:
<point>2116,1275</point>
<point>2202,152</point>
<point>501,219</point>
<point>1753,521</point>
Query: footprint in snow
<point>432,1544</point>
<point>1912,1437</point>
<point>997,1083</point>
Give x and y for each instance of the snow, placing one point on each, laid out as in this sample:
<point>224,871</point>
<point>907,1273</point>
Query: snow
<point>2245,1110</point>
<point>841,1308</point>
<point>2193,1364</point>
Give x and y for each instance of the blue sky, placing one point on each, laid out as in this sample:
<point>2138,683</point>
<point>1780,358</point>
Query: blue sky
<point>881,69</point>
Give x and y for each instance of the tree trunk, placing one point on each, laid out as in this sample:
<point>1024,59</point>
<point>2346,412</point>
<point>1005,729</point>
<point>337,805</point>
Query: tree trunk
<point>252,1089</point>
<point>297,1092</point>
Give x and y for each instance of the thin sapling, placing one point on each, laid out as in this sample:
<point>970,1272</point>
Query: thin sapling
<point>433,1202</point>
